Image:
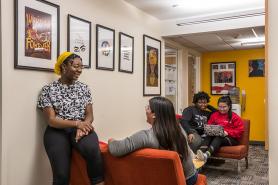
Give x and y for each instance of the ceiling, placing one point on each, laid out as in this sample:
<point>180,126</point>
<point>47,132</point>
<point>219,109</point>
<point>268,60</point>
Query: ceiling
<point>174,9</point>
<point>192,9</point>
<point>221,40</point>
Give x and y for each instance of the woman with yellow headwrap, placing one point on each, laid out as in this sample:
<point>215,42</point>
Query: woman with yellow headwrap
<point>67,105</point>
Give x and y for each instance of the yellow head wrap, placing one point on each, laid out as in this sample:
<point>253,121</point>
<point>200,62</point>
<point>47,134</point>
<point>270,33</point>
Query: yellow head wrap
<point>60,60</point>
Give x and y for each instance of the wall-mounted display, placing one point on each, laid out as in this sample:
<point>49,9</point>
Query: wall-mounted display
<point>79,38</point>
<point>152,66</point>
<point>126,53</point>
<point>105,48</point>
<point>256,68</point>
<point>223,77</point>
<point>36,34</point>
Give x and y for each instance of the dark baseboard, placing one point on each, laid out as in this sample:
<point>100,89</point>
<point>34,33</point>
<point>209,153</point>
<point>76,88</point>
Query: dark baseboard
<point>257,143</point>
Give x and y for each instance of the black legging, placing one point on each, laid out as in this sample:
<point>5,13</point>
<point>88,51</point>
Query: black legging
<point>58,144</point>
<point>213,143</point>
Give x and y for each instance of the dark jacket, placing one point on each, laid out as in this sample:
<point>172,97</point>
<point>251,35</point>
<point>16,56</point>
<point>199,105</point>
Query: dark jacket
<point>193,119</point>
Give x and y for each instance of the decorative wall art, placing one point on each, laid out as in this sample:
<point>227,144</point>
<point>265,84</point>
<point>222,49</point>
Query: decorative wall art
<point>79,38</point>
<point>152,66</point>
<point>223,77</point>
<point>105,48</point>
<point>256,68</point>
<point>126,53</point>
<point>36,34</point>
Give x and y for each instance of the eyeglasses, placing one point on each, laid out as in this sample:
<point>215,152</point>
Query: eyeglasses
<point>147,108</point>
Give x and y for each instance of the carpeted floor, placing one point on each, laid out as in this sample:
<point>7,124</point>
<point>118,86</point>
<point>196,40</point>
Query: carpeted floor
<point>226,173</point>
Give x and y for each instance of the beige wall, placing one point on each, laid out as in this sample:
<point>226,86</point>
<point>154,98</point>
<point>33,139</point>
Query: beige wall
<point>273,90</point>
<point>118,101</point>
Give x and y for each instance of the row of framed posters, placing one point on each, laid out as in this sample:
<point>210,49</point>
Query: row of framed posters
<point>37,41</point>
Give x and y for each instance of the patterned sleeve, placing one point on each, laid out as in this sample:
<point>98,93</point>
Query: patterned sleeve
<point>44,98</point>
<point>88,96</point>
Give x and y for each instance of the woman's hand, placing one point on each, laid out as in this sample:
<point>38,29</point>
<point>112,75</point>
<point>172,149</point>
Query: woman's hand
<point>190,138</point>
<point>86,127</point>
<point>79,135</point>
<point>226,133</point>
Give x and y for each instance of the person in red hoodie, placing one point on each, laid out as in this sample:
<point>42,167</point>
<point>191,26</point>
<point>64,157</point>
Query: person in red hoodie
<point>233,129</point>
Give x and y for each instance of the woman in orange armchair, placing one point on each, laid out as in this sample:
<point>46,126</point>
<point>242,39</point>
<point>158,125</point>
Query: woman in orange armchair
<point>165,134</point>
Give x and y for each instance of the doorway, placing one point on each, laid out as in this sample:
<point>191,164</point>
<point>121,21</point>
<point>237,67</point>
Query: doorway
<point>171,75</point>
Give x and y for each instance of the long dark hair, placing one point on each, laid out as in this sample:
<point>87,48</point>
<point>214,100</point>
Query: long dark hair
<point>228,101</point>
<point>166,128</point>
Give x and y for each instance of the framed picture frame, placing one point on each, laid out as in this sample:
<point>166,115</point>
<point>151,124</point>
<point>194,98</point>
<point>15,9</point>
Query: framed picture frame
<point>223,77</point>
<point>79,38</point>
<point>105,48</point>
<point>256,68</point>
<point>126,53</point>
<point>151,66</point>
<point>37,37</point>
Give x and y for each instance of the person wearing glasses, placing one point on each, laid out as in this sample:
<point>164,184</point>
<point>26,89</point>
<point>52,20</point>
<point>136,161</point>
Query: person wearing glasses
<point>232,125</point>
<point>165,134</point>
<point>67,106</point>
<point>194,117</point>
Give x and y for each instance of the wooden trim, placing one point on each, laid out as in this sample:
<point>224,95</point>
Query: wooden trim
<point>266,77</point>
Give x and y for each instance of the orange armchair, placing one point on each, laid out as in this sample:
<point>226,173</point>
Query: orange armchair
<point>143,167</point>
<point>240,151</point>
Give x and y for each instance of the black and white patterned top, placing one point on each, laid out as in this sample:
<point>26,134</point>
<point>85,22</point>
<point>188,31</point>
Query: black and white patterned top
<point>68,102</point>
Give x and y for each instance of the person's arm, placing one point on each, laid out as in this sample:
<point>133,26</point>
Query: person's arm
<point>211,108</point>
<point>89,118</point>
<point>238,129</point>
<point>137,141</point>
<point>185,120</point>
<point>211,120</point>
<point>56,122</point>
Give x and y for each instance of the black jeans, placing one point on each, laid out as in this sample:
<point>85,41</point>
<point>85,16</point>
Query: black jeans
<point>58,145</point>
<point>213,143</point>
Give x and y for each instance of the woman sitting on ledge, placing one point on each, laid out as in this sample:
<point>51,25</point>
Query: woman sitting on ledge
<point>67,106</point>
<point>233,129</point>
<point>165,134</point>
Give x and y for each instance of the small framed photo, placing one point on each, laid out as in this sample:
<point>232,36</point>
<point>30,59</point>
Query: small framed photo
<point>79,38</point>
<point>152,66</point>
<point>37,37</point>
<point>105,48</point>
<point>126,53</point>
<point>223,77</point>
<point>256,68</point>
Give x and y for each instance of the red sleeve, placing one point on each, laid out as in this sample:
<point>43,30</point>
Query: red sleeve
<point>238,129</point>
<point>212,118</point>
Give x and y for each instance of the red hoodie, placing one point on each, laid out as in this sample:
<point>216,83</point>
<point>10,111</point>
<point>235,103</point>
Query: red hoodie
<point>234,128</point>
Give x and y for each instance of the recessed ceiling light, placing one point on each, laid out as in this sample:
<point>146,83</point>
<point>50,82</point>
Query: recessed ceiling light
<point>175,5</point>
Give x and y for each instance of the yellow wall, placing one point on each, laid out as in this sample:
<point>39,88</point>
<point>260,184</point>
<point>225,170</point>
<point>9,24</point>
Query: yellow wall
<point>254,87</point>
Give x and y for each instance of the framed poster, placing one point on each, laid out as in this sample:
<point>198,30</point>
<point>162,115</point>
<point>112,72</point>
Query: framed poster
<point>36,34</point>
<point>256,68</point>
<point>105,44</point>
<point>126,53</point>
<point>79,38</point>
<point>151,66</point>
<point>223,77</point>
